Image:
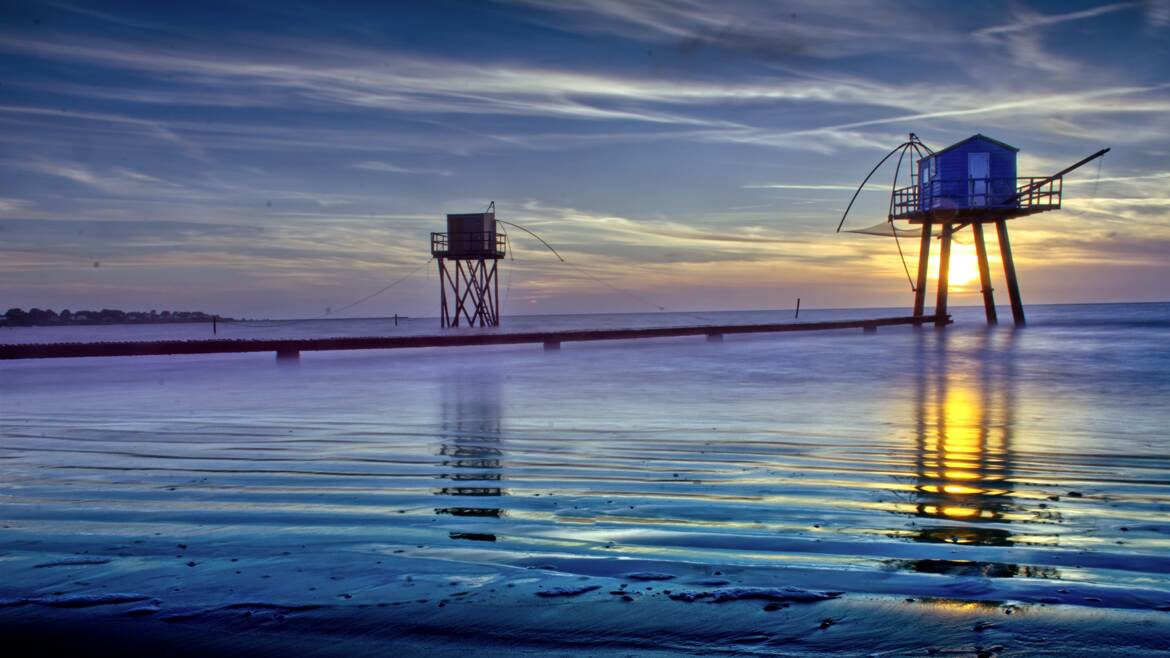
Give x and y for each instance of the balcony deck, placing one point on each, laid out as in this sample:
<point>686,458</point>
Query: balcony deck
<point>1032,195</point>
<point>489,244</point>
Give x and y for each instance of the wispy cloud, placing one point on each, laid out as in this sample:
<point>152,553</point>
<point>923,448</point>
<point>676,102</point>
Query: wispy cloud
<point>389,168</point>
<point>1157,12</point>
<point>1030,21</point>
<point>813,186</point>
<point>797,186</point>
<point>155,128</point>
<point>629,148</point>
<point>341,78</point>
<point>1120,179</point>
<point>1023,37</point>
<point>9,205</point>
<point>117,180</point>
<point>764,30</point>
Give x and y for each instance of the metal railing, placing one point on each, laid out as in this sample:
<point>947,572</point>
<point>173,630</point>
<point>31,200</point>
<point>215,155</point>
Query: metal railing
<point>905,201</point>
<point>1024,193</point>
<point>486,243</point>
<point>1039,192</point>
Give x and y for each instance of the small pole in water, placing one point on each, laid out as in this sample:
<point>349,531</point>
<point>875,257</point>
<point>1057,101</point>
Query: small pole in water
<point>798,307</point>
<point>214,324</point>
<point>395,319</point>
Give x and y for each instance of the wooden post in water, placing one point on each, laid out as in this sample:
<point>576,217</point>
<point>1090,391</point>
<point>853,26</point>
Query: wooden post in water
<point>984,274</point>
<point>923,263</point>
<point>1009,271</point>
<point>944,264</point>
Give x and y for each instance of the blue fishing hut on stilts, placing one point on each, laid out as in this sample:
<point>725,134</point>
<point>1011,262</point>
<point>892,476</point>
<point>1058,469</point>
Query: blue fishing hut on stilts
<point>970,183</point>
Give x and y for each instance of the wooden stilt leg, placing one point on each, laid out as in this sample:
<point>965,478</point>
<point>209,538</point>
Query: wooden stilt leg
<point>984,274</point>
<point>923,264</point>
<point>458,299</point>
<point>495,295</point>
<point>944,264</point>
<point>473,287</point>
<point>1009,270</point>
<point>444,317</point>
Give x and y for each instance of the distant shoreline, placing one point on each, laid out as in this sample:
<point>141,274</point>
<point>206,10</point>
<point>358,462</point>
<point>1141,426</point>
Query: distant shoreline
<point>36,317</point>
<point>185,319</point>
<point>5,325</point>
<point>197,317</point>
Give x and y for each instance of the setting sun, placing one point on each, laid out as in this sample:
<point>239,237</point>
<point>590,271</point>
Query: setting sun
<point>964,267</point>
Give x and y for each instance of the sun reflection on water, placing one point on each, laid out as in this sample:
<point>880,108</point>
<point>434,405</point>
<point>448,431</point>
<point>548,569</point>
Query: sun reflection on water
<point>964,455</point>
<point>963,483</point>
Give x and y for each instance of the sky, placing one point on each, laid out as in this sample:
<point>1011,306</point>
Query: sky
<point>281,159</point>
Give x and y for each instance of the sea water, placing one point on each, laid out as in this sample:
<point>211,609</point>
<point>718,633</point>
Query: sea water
<point>908,492</point>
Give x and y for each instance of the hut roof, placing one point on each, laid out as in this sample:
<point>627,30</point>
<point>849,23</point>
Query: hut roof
<point>974,137</point>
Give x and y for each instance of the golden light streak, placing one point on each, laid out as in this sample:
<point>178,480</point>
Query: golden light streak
<point>964,269</point>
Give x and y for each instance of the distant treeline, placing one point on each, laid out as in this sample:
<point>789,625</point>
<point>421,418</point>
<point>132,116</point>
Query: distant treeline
<point>37,317</point>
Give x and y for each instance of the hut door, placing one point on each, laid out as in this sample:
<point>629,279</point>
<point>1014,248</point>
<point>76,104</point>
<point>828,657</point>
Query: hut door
<point>978,175</point>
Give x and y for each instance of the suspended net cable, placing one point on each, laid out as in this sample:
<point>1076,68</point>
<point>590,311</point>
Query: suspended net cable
<point>886,229</point>
<point>589,275</point>
<point>285,323</point>
<point>899,148</point>
<point>890,216</point>
<point>1096,186</point>
<point>623,291</point>
<point>550,247</point>
<point>511,251</point>
<point>583,272</point>
<point>916,148</point>
<point>905,267</point>
<point>1097,180</point>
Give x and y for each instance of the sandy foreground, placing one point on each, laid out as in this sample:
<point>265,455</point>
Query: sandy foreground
<point>912,493</point>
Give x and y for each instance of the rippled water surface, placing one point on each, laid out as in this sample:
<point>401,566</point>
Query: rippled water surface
<point>823,492</point>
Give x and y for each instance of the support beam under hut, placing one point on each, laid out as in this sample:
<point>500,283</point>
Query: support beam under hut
<point>468,256</point>
<point>984,275</point>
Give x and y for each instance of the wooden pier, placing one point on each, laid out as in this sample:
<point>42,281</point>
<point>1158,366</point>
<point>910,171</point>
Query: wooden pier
<point>292,347</point>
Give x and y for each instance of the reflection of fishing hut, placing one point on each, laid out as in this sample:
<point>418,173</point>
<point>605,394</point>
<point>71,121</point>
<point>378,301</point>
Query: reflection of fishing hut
<point>471,446</point>
<point>467,254</point>
<point>964,449</point>
<point>963,483</point>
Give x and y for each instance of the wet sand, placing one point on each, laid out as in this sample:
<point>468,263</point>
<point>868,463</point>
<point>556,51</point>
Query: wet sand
<point>913,492</point>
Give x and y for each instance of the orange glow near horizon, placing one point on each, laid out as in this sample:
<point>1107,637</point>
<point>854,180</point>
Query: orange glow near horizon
<point>964,269</point>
